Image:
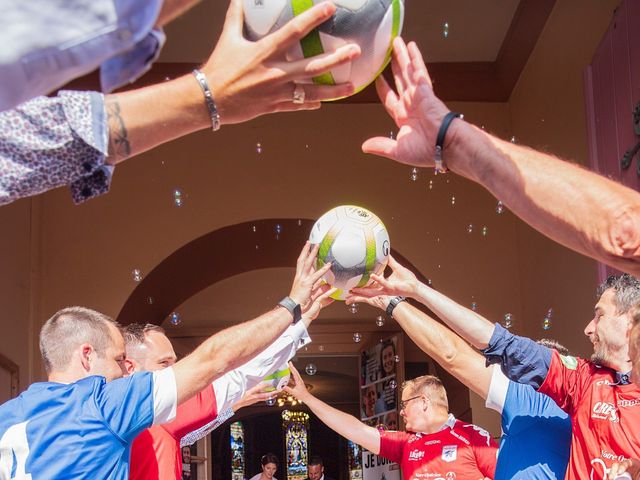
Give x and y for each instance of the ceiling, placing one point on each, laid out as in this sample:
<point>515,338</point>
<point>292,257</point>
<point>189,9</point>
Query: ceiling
<point>477,29</point>
<point>488,45</point>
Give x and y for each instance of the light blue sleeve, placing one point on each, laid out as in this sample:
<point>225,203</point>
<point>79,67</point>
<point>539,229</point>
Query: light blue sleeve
<point>46,43</point>
<point>127,404</point>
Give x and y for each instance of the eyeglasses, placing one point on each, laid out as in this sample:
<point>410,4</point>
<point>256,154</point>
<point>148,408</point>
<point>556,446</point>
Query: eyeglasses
<point>403,403</point>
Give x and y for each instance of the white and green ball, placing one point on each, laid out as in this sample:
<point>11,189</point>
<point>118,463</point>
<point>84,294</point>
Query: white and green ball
<point>372,24</point>
<point>356,243</point>
<point>277,380</point>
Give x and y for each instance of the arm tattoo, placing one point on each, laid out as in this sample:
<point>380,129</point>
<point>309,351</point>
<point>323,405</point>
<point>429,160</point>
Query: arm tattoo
<point>119,145</point>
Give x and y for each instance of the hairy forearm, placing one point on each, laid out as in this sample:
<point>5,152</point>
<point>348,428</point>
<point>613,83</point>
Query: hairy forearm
<point>574,206</point>
<point>474,328</point>
<point>445,347</point>
<point>227,350</point>
<point>144,118</point>
<point>344,424</point>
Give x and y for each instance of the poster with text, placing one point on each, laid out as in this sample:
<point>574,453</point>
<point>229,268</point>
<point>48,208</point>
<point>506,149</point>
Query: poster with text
<point>380,381</point>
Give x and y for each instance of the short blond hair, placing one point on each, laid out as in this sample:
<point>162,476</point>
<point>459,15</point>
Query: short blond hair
<point>68,329</point>
<point>431,386</point>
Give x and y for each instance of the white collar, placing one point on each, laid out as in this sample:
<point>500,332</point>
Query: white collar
<point>451,421</point>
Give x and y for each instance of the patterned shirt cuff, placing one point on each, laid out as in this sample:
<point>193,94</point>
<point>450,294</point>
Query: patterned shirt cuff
<point>94,185</point>
<point>94,133</point>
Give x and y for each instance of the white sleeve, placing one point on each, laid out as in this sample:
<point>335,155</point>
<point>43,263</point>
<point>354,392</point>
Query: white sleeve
<point>497,390</point>
<point>165,396</point>
<point>230,387</point>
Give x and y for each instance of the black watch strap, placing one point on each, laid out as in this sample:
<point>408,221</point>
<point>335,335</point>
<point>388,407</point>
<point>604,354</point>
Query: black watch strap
<point>394,303</point>
<point>293,307</point>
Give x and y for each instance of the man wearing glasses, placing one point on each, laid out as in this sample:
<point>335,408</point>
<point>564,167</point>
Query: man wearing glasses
<point>435,445</point>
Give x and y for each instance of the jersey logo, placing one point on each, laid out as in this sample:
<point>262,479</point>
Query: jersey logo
<point>481,431</point>
<point>629,403</point>
<point>450,476</point>
<point>449,453</point>
<point>14,450</point>
<point>570,362</point>
<point>416,455</point>
<point>605,411</point>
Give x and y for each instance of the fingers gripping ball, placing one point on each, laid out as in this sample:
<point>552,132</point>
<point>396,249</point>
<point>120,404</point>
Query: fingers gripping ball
<point>356,243</point>
<point>371,24</point>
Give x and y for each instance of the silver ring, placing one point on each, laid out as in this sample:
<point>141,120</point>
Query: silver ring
<point>298,95</point>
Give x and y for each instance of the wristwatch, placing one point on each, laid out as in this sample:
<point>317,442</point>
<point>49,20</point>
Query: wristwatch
<point>293,307</point>
<point>394,303</point>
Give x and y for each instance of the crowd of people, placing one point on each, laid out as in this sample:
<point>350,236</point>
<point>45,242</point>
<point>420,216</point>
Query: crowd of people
<point>120,396</point>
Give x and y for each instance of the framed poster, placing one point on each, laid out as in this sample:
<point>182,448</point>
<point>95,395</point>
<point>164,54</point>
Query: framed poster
<point>381,376</point>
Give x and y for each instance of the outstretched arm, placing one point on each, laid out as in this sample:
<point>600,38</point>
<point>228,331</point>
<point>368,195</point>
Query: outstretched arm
<point>440,343</point>
<point>79,136</point>
<point>575,207</point>
<point>247,79</point>
<point>474,328</point>
<point>340,422</point>
<point>233,385</point>
<point>522,359</point>
<point>234,346</point>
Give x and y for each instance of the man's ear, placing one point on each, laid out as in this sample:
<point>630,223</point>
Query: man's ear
<point>129,366</point>
<point>86,356</point>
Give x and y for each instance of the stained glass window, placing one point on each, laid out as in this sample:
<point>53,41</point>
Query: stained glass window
<point>355,460</point>
<point>237,451</point>
<point>296,426</point>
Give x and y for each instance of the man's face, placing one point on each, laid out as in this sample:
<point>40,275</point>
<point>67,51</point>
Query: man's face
<point>634,353</point>
<point>608,331</point>
<point>413,408</point>
<point>315,472</point>
<point>111,364</point>
<point>388,360</point>
<point>154,354</point>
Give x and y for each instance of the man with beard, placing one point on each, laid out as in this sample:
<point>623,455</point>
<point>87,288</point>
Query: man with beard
<point>604,406</point>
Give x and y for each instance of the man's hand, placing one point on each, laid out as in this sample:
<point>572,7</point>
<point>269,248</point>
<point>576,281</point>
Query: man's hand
<point>320,298</point>
<point>402,281</point>
<point>378,301</point>
<point>629,469</point>
<point>255,394</point>
<point>418,113</point>
<point>249,79</point>
<point>307,279</point>
<point>299,389</point>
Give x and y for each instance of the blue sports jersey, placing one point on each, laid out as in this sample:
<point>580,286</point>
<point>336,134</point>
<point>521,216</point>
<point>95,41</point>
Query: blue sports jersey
<point>81,430</point>
<point>536,436</point>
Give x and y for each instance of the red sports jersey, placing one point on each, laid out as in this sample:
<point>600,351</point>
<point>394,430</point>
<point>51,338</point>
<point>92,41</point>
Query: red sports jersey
<point>605,416</point>
<point>155,454</point>
<point>459,451</point>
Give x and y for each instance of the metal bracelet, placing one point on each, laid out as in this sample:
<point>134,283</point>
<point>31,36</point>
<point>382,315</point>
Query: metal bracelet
<point>208,99</point>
